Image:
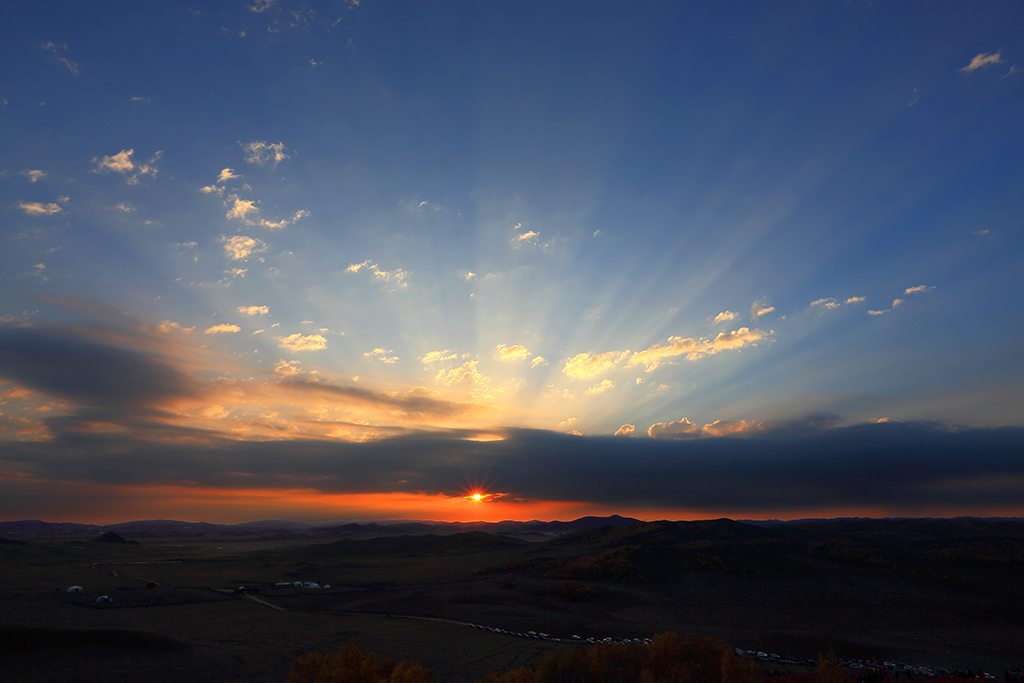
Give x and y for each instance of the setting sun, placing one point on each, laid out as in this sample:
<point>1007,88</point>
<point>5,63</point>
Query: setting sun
<point>477,497</point>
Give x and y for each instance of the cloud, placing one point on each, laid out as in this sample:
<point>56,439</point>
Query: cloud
<point>409,405</point>
<point>694,349</point>
<point>896,469</point>
<point>625,430</point>
<point>263,153</point>
<point>466,373</point>
<point>399,276</point>
<point>983,60</point>
<point>223,328</point>
<point>85,369</point>
<point>856,300</point>
<point>538,360</point>
<point>514,352</point>
<point>122,163</point>
<point>530,237</point>
<point>242,208</point>
<point>58,52</point>
<point>288,368</point>
<point>297,342</point>
<point>34,175</point>
<point>284,222</point>
<point>40,209</point>
<point>587,365</point>
<point>226,174</point>
<point>724,428</point>
<point>254,310</point>
<point>246,210</point>
<point>826,303</point>
<point>171,327</point>
<point>895,303</point>
<point>683,429</point>
<point>162,361</point>
<point>919,289</point>
<point>757,310</point>
<point>724,316</point>
<point>438,356</point>
<point>600,388</point>
<point>241,247</point>
<point>131,417</point>
<point>259,6</point>
<point>382,355</point>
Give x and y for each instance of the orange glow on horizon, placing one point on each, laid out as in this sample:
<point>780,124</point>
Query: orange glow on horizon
<point>104,504</point>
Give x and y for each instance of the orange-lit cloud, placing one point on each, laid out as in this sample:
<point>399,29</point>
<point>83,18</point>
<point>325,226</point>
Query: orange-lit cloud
<point>587,365</point>
<point>513,352</point>
<point>983,60</point>
<point>298,342</point>
<point>223,328</point>
<point>241,247</point>
<point>262,153</point>
<point>134,407</point>
<point>686,429</point>
<point>399,276</point>
<point>122,163</point>
<point>725,316</point>
<point>382,355</point>
<point>599,388</point>
<point>694,349</point>
<point>757,310</point>
<point>466,373</point>
<point>254,310</point>
<point>438,356</point>
<point>40,209</point>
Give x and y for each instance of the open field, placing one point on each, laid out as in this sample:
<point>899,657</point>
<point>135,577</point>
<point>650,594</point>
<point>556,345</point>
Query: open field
<point>951,599</point>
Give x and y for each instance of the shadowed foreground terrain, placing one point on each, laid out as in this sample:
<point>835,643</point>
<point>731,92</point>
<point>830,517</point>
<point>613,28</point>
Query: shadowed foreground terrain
<point>942,593</point>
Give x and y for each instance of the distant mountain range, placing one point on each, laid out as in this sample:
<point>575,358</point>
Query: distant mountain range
<point>285,528</point>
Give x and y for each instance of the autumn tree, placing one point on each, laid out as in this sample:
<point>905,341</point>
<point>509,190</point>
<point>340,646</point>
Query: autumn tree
<point>829,670</point>
<point>350,665</point>
<point>668,658</point>
<point>694,659</point>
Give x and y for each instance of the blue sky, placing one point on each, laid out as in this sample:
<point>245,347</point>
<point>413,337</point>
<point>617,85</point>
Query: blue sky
<point>348,227</point>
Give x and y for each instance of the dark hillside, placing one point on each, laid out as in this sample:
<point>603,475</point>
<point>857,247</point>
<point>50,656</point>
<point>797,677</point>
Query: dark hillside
<point>408,546</point>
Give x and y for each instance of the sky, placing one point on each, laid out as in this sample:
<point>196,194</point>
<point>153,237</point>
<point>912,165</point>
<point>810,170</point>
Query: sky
<point>352,260</point>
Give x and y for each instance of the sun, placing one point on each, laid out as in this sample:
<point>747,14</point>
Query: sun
<point>477,497</point>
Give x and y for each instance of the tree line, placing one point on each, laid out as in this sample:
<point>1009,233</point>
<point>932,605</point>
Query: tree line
<point>668,658</point>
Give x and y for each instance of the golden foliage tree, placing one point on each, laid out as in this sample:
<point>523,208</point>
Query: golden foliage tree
<point>350,665</point>
<point>668,658</point>
<point>829,670</point>
<point>694,659</point>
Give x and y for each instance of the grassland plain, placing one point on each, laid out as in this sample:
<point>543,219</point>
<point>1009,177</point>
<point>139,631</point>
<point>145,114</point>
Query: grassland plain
<point>942,593</point>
